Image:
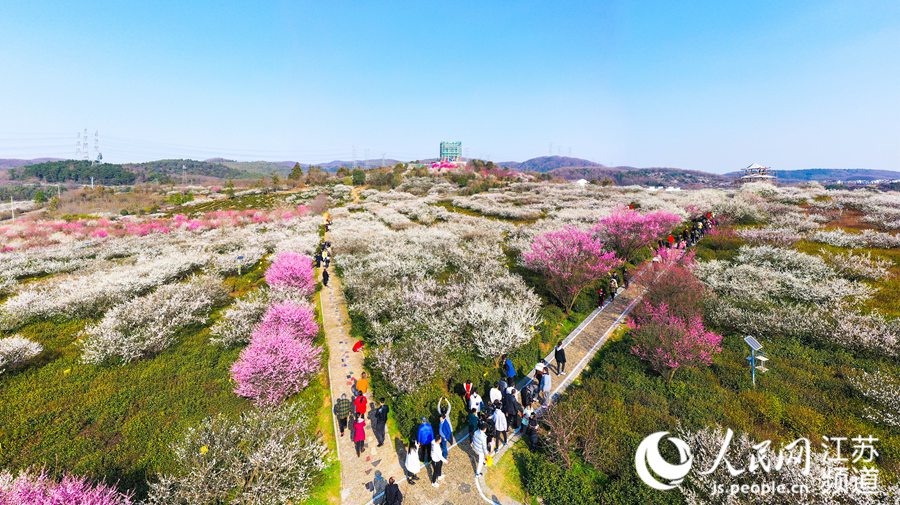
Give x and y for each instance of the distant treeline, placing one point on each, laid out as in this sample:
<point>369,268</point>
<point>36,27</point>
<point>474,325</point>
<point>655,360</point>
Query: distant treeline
<point>26,191</point>
<point>165,170</point>
<point>110,174</point>
<point>79,171</point>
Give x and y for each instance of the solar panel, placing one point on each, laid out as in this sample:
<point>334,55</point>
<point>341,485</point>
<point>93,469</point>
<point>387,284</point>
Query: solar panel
<point>753,343</point>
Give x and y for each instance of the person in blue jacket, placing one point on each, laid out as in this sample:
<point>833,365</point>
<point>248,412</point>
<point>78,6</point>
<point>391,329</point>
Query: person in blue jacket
<point>425,436</point>
<point>509,370</point>
<point>446,430</point>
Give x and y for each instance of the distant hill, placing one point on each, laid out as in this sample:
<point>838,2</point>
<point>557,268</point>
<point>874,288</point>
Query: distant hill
<point>547,163</point>
<point>656,176</point>
<point>332,166</point>
<point>830,175</point>
<point>80,171</point>
<point>172,169</point>
<point>258,168</point>
<point>15,163</point>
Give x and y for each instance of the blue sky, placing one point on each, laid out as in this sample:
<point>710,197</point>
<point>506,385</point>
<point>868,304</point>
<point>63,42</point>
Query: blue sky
<point>706,85</point>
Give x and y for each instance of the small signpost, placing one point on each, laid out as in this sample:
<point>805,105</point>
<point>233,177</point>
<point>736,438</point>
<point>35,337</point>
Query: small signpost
<point>240,259</point>
<point>755,355</point>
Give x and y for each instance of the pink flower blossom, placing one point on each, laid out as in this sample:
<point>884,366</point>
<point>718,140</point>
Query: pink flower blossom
<point>292,318</point>
<point>625,231</point>
<point>274,366</point>
<point>668,342</point>
<point>570,260</point>
<point>27,489</point>
<point>292,270</point>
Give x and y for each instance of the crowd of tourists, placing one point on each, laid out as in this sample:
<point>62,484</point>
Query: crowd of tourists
<point>488,421</point>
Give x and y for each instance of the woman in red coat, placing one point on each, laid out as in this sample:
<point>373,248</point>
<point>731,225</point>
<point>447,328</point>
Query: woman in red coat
<point>359,434</point>
<point>360,404</point>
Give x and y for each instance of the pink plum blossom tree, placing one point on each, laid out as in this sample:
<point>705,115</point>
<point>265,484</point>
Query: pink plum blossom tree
<point>273,366</point>
<point>570,260</point>
<point>668,342</point>
<point>40,489</point>
<point>625,231</point>
<point>292,318</point>
<point>292,270</point>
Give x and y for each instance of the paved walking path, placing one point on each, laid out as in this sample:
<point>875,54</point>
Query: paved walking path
<point>460,486</point>
<point>361,478</point>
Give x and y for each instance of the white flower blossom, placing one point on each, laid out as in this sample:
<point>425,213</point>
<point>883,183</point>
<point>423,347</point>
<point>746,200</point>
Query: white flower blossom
<point>16,350</point>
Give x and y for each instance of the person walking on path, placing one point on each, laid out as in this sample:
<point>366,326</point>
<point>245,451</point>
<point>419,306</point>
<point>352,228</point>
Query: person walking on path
<point>626,277</point>
<point>511,408</point>
<point>613,287</point>
<point>379,421</point>
<point>392,494</point>
<point>437,461</point>
<point>509,370</point>
<point>475,401</point>
<point>490,430</point>
<point>531,432</point>
<point>601,297</point>
<point>472,422</point>
<point>529,392</point>
<point>445,430</point>
<point>342,409</point>
<point>325,276</point>
<point>361,385</point>
<point>500,426</point>
<point>359,404</point>
<point>545,389</point>
<point>494,394</point>
<point>479,446</point>
<point>413,464</point>
<point>559,354</point>
<point>359,434</point>
<point>425,436</point>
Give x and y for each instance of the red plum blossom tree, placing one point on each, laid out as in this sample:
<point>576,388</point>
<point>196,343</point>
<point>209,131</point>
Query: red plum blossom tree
<point>668,342</point>
<point>570,260</point>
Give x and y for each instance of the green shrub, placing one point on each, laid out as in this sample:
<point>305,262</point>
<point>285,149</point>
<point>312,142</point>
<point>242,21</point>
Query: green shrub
<point>579,484</point>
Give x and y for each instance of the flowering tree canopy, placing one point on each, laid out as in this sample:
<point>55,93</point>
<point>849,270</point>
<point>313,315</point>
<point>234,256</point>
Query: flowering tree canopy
<point>265,456</point>
<point>274,366</point>
<point>674,284</point>
<point>625,231</point>
<point>292,318</point>
<point>668,342</point>
<point>16,351</point>
<point>292,270</point>
<point>570,259</point>
<point>40,489</point>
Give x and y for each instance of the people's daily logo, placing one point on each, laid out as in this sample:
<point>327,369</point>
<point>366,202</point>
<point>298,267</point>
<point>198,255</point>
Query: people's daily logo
<point>648,455</point>
<point>846,466</point>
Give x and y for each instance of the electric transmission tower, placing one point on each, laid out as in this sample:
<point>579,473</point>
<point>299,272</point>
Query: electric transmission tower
<point>82,143</point>
<point>85,155</point>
